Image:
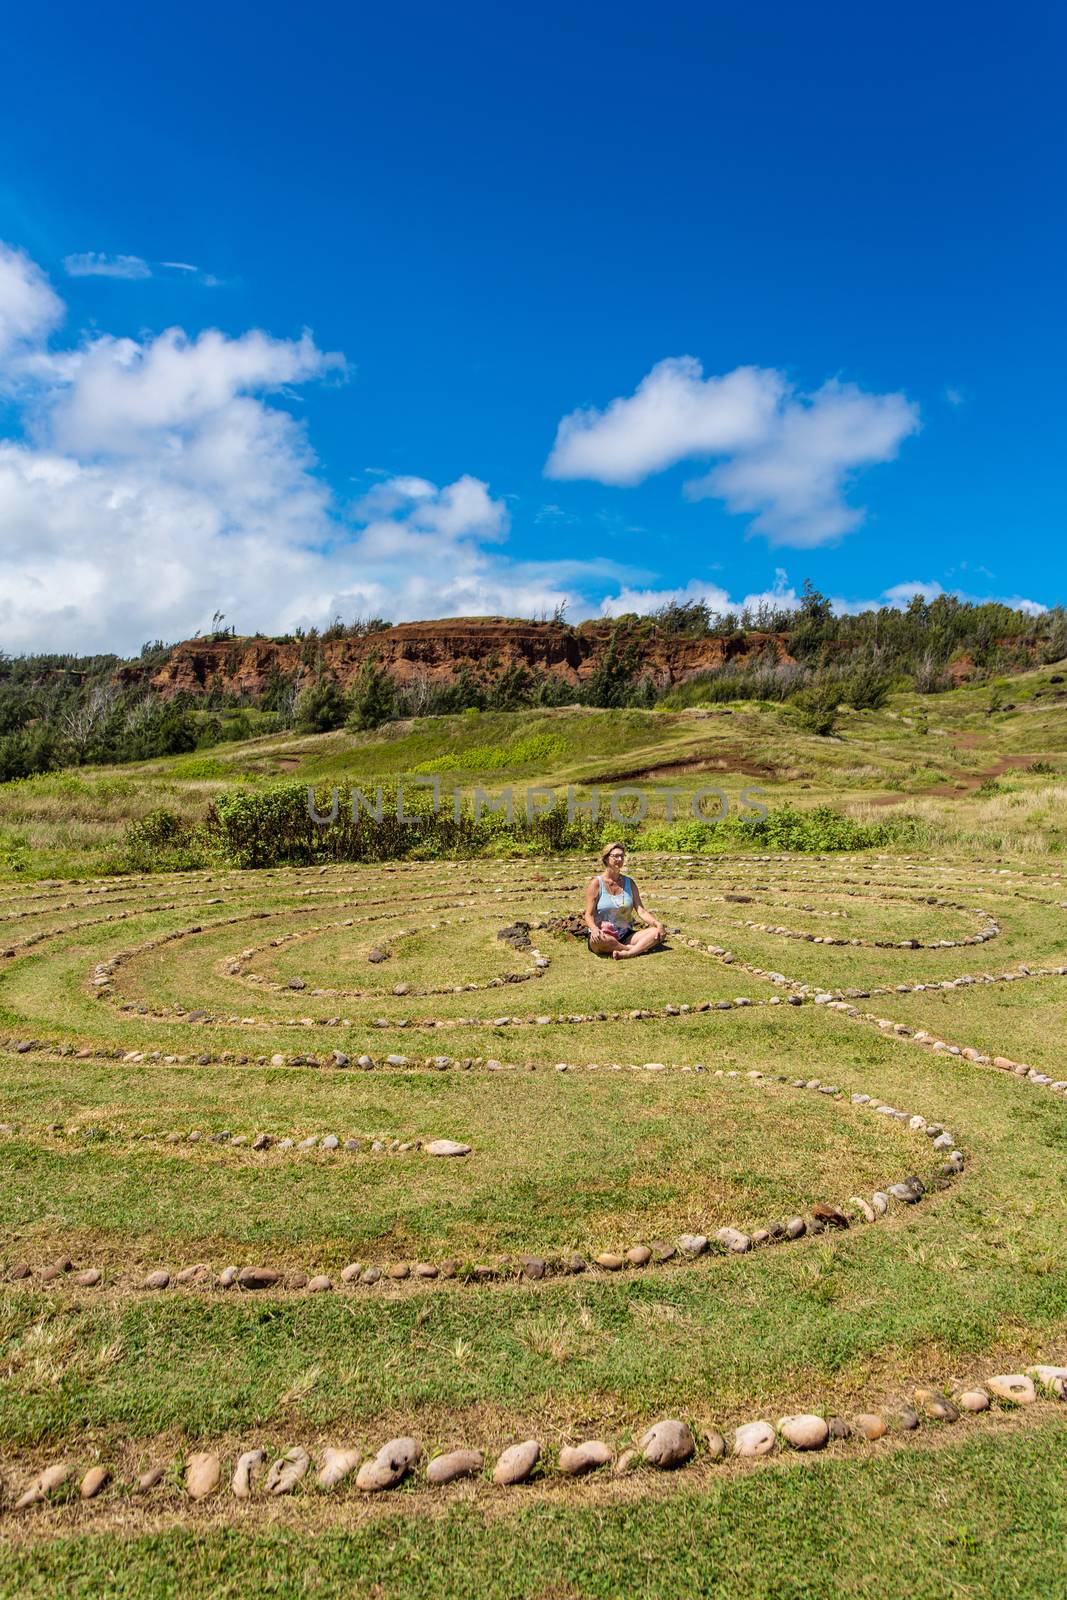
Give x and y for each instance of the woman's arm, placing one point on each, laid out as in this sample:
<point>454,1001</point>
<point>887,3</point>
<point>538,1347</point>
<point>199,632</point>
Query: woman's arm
<point>592,894</point>
<point>642,911</point>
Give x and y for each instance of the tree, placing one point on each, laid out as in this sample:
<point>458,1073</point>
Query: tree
<point>322,706</point>
<point>373,698</point>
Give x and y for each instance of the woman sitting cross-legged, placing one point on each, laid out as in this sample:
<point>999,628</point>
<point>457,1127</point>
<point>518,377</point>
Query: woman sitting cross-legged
<point>612,901</point>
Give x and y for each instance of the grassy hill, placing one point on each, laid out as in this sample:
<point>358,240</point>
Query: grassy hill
<point>985,762</point>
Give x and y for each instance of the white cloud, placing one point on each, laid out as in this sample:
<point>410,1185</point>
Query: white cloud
<point>157,480</point>
<point>180,266</point>
<point>955,397</point>
<point>674,412</point>
<point>29,307</point>
<point>93,264</point>
<point>788,458</point>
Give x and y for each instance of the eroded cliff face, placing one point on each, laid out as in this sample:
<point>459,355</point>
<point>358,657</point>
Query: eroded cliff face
<point>437,651</point>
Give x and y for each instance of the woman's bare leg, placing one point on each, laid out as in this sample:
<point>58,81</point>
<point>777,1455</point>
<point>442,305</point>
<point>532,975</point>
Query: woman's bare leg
<point>638,944</point>
<point>603,945</point>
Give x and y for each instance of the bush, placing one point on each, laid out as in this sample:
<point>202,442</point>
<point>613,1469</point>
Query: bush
<point>163,841</point>
<point>822,828</point>
<point>815,709</point>
<point>272,826</point>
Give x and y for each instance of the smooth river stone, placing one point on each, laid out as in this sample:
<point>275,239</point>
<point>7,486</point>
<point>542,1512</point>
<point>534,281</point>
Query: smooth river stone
<point>287,1471</point>
<point>1048,1375</point>
<point>517,1462</point>
<point>456,1464</point>
<point>870,1425</point>
<point>446,1147</point>
<point>249,1466</point>
<point>667,1444</point>
<point>336,1466</point>
<point>202,1472</point>
<point>1014,1387</point>
<point>43,1484</point>
<point>804,1432</point>
<point>754,1439</point>
<point>95,1479</point>
<point>576,1459</point>
<point>392,1463</point>
<point>973,1400</point>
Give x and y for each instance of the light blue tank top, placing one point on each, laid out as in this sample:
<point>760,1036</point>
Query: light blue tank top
<point>618,909</point>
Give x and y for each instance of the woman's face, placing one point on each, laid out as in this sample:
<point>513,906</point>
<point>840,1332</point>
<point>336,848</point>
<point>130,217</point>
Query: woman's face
<point>616,858</point>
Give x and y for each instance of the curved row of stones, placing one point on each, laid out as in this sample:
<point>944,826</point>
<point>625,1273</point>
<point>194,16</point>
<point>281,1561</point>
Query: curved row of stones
<point>688,1246</point>
<point>668,1445</point>
<point>799,994</point>
<point>248,1143</point>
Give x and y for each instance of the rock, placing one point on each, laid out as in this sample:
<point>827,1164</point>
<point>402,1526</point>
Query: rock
<point>202,1472</point>
<point>156,1280</point>
<point>389,1467</point>
<point>370,1275</point>
<point>794,1227</point>
<point>43,1485</point>
<point>446,1147</point>
<point>734,1240</point>
<point>870,1425</point>
<point>830,1216</point>
<point>287,1471</point>
<point>149,1479</point>
<point>629,1461</point>
<point>95,1479</point>
<point>258,1277</point>
<point>576,1459</point>
<point>399,1270</point>
<point>248,1468</point>
<point>330,1142</point>
<point>754,1439</point>
<point>908,1419</point>
<point>21,1269</point>
<point>667,1444</point>
<point>533,1267</point>
<point>193,1274</point>
<point>227,1277</point>
<point>517,1462</point>
<point>350,1273</point>
<point>319,1284</point>
<point>867,1212</point>
<point>87,1279</point>
<point>715,1443</point>
<point>973,1400</point>
<point>609,1260</point>
<point>839,1428</point>
<point>456,1464</point>
<point>336,1466</point>
<point>936,1405</point>
<point>639,1255</point>
<point>693,1244</point>
<point>1013,1387</point>
<point>1048,1375</point>
<point>804,1432</point>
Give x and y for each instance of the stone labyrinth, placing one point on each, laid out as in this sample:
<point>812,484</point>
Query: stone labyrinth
<point>382,1082</point>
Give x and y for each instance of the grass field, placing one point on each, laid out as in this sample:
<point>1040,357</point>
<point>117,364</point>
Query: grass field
<point>176,1048</point>
<point>138,1011</point>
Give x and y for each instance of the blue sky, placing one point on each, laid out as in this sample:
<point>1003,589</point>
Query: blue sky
<point>493,221</point>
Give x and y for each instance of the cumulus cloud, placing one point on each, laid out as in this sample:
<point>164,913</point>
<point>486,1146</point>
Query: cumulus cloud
<point>787,458</point>
<point>29,307</point>
<point>154,481</point>
<point>94,264</point>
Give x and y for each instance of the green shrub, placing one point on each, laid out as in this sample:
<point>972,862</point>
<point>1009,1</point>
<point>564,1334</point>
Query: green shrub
<point>273,825</point>
<point>163,841</point>
<point>785,828</point>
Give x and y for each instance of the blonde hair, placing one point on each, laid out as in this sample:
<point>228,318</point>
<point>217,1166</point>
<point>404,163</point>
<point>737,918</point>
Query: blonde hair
<point>608,848</point>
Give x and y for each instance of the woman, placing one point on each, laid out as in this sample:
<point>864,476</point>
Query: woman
<point>612,901</point>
